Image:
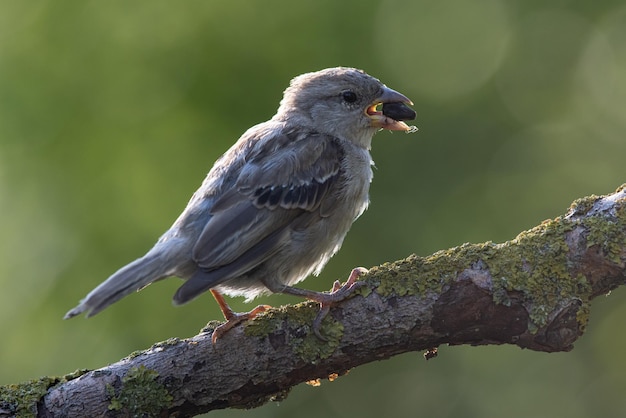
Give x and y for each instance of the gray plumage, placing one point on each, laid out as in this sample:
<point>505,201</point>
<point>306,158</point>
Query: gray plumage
<point>278,204</point>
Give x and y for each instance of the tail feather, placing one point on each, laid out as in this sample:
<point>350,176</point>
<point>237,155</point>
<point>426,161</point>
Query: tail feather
<point>125,281</point>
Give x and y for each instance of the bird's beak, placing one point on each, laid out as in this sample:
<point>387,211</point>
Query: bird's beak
<point>393,119</point>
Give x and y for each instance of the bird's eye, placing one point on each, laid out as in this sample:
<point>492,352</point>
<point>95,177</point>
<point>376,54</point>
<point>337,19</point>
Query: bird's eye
<point>349,96</point>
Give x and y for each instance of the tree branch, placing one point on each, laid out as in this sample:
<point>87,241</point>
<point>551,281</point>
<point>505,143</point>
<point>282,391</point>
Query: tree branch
<point>533,291</point>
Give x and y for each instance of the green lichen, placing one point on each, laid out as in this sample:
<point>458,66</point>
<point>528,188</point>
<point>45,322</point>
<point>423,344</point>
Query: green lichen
<point>140,394</point>
<point>135,354</point>
<point>20,400</point>
<point>311,349</point>
<point>433,272</point>
<point>582,317</point>
<point>273,320</point>
<point>609,235</point>
<point>297,320</point>
<point>534,265</point>
<point>397,278</point>
<point>583,205</point>
<point>167,343</point>
<point>536,262</point>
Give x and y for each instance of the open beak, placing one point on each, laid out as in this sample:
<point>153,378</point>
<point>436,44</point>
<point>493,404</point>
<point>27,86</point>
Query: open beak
<point>392,119</point>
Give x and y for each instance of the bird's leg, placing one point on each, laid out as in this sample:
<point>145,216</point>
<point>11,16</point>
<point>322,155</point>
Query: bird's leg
<point>232,318</point>
<point>326,300</point>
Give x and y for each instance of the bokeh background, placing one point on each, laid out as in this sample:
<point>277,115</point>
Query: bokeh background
<point>111,113</point>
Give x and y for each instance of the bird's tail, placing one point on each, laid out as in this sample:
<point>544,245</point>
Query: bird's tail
<point>126,280</point>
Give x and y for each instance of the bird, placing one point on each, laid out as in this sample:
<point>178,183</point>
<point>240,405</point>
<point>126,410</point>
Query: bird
<point>277,205</point>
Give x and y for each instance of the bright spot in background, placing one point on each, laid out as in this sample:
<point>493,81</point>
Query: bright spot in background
<point>536,79</point>
<point>603,67</point>
<point>443,63</point>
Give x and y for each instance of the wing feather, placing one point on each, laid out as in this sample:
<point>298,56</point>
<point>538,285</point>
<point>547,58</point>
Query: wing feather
<point>250,220</point>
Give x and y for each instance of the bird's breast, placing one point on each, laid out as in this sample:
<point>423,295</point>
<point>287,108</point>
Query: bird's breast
<point>357,176</point>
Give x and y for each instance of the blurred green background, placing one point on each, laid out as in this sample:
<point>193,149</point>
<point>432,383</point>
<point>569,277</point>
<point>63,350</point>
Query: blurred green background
<point>111,113</point>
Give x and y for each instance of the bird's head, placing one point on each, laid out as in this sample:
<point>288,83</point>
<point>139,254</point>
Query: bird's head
<point>344,102</point>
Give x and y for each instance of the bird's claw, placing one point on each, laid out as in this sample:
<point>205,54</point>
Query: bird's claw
<point>338,293</point>
<point>235,319</point>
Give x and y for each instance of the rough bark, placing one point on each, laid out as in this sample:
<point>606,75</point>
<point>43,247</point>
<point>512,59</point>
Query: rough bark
<point>533,291</point>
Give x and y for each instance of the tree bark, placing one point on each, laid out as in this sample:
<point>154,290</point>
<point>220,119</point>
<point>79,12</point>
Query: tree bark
<point>533,291</point>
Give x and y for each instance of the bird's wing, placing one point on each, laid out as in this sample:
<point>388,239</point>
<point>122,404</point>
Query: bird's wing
<point>284,177</point>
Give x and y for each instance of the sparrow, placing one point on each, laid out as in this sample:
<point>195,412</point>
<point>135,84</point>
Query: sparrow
<point>277,205</point>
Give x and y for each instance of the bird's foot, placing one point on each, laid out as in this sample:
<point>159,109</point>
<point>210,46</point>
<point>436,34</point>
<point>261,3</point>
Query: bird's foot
<point>233,319</point>
<point>338,293</point>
